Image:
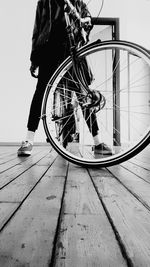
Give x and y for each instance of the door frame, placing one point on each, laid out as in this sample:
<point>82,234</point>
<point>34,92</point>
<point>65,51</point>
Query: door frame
<point>115,23</point>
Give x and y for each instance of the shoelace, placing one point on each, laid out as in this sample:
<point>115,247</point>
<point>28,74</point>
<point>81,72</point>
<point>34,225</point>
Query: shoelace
<point>25,144</point>
<point>104,146</point>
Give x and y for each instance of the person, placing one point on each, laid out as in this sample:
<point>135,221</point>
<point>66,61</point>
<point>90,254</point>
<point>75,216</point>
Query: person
<point>49,35</point>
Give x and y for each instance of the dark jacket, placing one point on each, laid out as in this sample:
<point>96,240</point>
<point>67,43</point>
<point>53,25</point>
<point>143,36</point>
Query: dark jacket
<point>49,12</point>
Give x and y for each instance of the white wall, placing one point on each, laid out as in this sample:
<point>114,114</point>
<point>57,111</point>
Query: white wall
<point>134,19</point>
<point>16,85</point>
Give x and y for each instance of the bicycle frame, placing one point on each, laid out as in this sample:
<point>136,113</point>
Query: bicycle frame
<point>73,46</point>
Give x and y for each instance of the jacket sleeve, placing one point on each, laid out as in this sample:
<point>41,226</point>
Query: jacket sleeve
<point>36,30</point>
<point>84,12</point>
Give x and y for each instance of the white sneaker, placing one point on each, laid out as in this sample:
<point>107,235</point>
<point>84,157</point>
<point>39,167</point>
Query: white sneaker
<point>103,149</point>
<point>25,149</point>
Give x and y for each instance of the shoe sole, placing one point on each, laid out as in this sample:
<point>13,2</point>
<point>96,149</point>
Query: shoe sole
<point>24,154</point>
<point>103,153</point>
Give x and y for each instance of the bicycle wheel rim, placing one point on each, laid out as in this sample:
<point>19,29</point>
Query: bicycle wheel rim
<point>124,154</point>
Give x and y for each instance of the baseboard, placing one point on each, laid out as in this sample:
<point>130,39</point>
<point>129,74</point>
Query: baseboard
<point>18,144</point>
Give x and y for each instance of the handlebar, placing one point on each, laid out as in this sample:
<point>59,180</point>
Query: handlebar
<point>69,8</point>
<point>84,24</point>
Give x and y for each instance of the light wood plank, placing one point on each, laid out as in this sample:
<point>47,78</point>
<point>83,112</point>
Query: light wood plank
<point>17,160</point>
<point>8,153</point>
<point>85,235</point>
<point>135,184</point>
<point>80,196</point>
<point>12,155</point>
<point>137,170</point>
<point>141,163</point>
<point>144,153</point>
<point>103,172</point>
<point>7,149</point>
<point>129,217</point>
<point>6,211</point>
<point>87,240</point>
<point>17,191</point>
<point>18,169</point>
<point>28,238</point>
<point>4,157</point>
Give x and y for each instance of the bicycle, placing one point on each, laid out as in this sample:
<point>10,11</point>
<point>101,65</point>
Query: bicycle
<point>110,79</point>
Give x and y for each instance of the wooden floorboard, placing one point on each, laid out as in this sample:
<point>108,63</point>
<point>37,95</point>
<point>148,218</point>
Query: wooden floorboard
<point>54,213</point>
<point>85,236</point>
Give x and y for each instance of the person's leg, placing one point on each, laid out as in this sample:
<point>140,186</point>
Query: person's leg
<point>49,64</point>
<point>88,114</point>
<point>99,146</point>
<point>35,108</point>
<point>34,113</point>
<point>90,118</point>
<point>46,69</point>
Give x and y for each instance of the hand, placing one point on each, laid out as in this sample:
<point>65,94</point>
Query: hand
<point>86,23</point>
<point>34,70</point>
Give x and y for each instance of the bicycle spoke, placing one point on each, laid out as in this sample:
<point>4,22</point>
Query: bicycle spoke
<point>121,74</point>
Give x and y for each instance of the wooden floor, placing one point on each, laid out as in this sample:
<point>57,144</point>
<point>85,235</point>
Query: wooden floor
<point>53,213</point>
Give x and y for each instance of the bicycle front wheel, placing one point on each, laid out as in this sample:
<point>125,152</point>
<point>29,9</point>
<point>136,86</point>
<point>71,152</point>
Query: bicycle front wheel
<point>121,74</point>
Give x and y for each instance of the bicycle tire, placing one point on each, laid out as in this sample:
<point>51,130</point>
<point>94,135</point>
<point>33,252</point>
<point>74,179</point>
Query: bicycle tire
<point>137,55</point>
